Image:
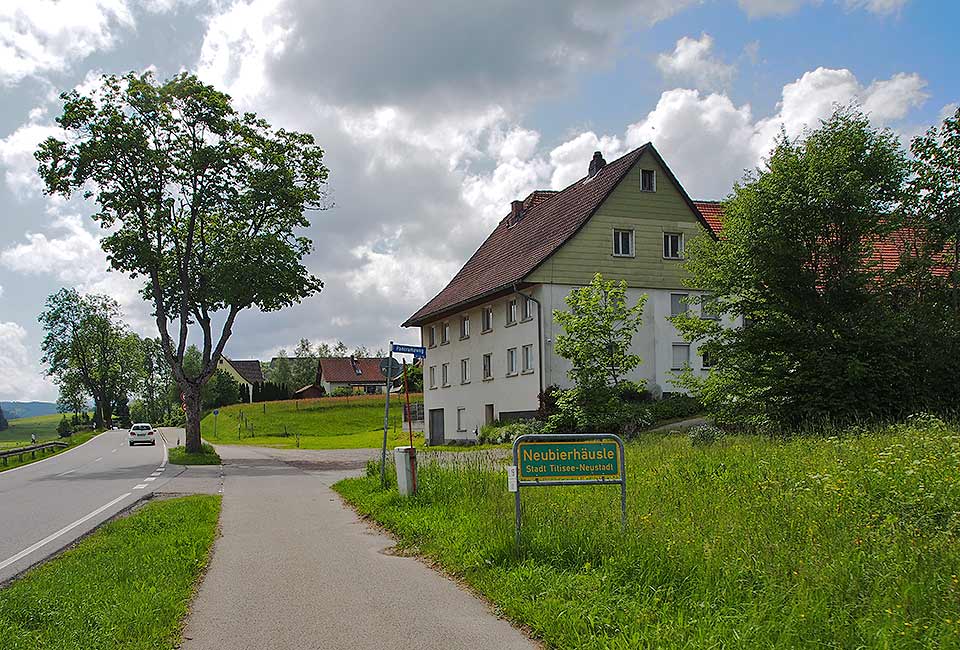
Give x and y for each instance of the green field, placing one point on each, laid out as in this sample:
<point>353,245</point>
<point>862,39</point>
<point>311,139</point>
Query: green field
<point>326,423</point>
<point>844,542</point>
<point>45,426</point>
<point>126,586</point>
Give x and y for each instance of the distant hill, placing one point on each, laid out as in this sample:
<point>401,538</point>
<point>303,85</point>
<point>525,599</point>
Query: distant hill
<point>27,409</point>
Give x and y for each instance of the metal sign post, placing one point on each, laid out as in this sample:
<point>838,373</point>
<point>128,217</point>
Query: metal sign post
<point>387,371</point>
<point>541,460</point>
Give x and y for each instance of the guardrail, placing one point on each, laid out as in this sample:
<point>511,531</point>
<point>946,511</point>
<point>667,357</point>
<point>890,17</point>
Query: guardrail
<point>32,450</point>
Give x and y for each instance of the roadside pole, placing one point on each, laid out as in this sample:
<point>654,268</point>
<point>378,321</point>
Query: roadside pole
<point>412,453</point>
<point>386,422</point>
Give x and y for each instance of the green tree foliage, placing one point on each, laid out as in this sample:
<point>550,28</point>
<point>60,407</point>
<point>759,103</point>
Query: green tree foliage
<point>202,202</point>
<point>86,342</point>
<point>121,411</point>
<point>3,420</point>
<point>303,366</point>
<point>279,370</point>
<point>821,337</point>
<point>64,430</point>
<point>72,395</point>
<point>598,331</point>
<point>222,390</point>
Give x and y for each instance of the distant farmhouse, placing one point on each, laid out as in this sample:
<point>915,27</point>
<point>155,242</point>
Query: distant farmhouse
<point>490,332</point>
<point>358,375</point>
<point>247,372</point>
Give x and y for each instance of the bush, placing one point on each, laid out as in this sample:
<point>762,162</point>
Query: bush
<point>342,391</point>
<point>704,434</point>
<point>675,406</point>
<point>64,429</point>
<point>498,434</point>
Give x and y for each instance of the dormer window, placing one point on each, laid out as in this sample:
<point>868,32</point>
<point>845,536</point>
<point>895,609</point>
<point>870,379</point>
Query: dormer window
<point>648,180</point>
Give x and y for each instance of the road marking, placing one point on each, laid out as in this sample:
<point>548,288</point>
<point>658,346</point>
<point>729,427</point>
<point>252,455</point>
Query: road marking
<point>66,529</point>
<point>69,471</point>
<point>98,460</point>
<point>150,478</point>
<point>113,451</point>
<point>160,469</point>
<point>140,487</point>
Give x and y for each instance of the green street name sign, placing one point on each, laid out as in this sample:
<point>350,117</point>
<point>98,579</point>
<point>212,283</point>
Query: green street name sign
<point>545,461</point>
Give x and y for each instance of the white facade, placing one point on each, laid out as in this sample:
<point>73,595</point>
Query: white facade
<point>468,405</point>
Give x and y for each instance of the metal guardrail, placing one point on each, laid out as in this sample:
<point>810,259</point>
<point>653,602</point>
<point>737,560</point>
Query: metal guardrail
<point>32,450</point>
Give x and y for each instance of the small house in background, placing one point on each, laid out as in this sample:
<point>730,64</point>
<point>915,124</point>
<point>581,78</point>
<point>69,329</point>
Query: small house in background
<point>359,375</point>
<point>247,372</point>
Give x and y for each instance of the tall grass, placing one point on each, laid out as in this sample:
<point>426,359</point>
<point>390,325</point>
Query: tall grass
<point>847,541</point>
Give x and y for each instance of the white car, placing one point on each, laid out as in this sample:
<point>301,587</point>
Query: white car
<point>144,433</point>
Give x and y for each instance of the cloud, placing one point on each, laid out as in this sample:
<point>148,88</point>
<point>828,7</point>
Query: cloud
<point>692,61</point>
<point>72,254</point>
<point>38,36</point>
<point>762,8</point>
<point>20,376</point>
<point>16,156</point>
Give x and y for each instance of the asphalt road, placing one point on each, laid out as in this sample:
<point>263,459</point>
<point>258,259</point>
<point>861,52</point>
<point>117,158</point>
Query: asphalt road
<point>47,505</point>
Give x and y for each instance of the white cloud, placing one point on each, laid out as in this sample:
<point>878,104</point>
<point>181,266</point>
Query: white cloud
<point>761,8</point>
<point>37,36</point>
<point>16,155</point>
<point>692,61</point>
<point>20,376</point>
<point>72,255</point>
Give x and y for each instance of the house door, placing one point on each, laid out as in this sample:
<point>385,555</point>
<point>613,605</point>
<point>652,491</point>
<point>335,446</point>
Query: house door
<point>436,427</point>
<point>488,414</point>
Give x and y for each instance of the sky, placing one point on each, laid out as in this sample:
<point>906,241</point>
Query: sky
<point>434,116</point>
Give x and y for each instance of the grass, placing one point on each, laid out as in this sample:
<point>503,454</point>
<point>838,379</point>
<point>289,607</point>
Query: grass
<point>326,423</point>
<point>44,426</point>
<point>845,542</point>
<point>73,441</point>
<point>126,586</point>
<point>179,456</point>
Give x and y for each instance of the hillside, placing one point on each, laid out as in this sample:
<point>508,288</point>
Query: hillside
<point>45,426</point>
<point>326,423</point>
<point>27,409</point>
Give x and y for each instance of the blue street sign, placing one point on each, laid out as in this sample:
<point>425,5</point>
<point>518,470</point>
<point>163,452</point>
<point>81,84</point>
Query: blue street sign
<point>216,411</point>
<point>418,351</point>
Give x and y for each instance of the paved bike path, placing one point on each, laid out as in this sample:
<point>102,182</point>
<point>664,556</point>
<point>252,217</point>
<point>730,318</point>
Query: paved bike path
<point>294,568</point>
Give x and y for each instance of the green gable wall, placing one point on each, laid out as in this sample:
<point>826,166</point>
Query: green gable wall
<point>649,215</point>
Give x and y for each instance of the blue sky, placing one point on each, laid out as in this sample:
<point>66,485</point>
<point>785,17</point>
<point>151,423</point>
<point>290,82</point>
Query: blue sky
<point>434,120</point>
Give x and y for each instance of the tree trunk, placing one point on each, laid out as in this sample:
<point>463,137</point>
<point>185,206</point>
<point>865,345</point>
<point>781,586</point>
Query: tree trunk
<point>191,397</point>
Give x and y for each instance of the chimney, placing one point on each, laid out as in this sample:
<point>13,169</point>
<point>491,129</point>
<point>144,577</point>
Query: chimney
<point>516,211</point>
<point>596,164</point>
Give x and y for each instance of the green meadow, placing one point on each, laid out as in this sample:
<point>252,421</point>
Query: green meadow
<point>851,541</point>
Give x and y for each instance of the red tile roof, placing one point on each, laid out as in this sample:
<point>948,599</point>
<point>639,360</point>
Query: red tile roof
<point>712,211</point>
<point>515,248</point>
<point>353,371</point>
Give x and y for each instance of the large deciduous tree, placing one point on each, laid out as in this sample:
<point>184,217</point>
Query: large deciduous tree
<point>796,265</point>
<point>201,201</point>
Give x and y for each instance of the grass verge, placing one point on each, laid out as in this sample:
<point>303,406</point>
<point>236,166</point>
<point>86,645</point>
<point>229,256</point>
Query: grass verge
<point>179,456</point>
<point>74,441</point>
<point>841,542</point>
<point>327,423</point>
<point>126,586</point>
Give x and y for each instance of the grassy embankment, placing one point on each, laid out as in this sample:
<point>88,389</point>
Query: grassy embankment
<point>126,586</point>
<point>45,427</point>
<point>326,423</point>
<point>832,542</point>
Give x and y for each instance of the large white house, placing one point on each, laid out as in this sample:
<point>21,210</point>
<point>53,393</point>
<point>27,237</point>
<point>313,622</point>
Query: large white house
<point>490,332</point>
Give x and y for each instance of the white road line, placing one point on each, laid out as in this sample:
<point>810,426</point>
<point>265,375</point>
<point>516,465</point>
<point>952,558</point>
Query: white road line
<point>150,478</point>
<point>69,471</point>
<point>113,451</point>
<point>140,487</point>
<point>160,469</point>
<point>66,529</point>
<point>98,460</point>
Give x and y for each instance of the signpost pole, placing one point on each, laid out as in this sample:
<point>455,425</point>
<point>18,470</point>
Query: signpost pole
<point>411,452</point>
<point>386,422</point>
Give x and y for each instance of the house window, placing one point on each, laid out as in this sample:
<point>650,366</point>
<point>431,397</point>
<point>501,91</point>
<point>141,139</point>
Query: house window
<point>444,333</point>
<point>488,366</point>
<point>464,371</point>
<point>445,374</point>
<point>433,376</point>
<point>528,358</point>
<point>511,361</point>
<point>648,180</point>
<point>464,327</point>
<point>623,243</point>
<point>512,312</point>
<point>708,308</point>
<point>486,319</point>
<point>707,360</point>
<point>527,311</point>
<point>461,419</point>
<point>673,245</point>
<point>678,304</point>
<point>681,356</point>
<point>432,336</point>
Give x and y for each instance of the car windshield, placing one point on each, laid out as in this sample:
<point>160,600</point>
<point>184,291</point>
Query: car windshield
<point>141,427</point>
